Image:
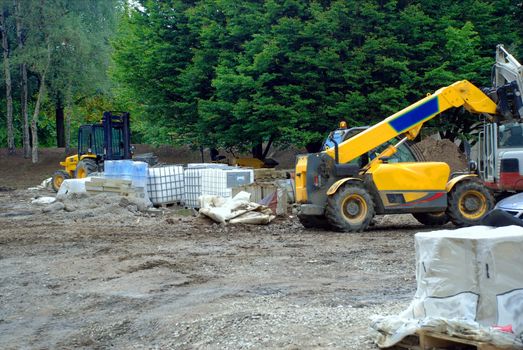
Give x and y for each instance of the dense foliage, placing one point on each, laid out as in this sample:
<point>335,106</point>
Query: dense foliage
<point>60,51</point>
<point>234,74</point>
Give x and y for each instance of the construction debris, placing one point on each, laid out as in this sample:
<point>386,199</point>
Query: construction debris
<point>236,210</point>
<point>46,184</point>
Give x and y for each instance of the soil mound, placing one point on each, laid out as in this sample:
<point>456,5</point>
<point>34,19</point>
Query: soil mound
<point>443,151</point>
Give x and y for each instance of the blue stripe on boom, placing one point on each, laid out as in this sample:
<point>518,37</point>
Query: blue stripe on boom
<point>414,116</point>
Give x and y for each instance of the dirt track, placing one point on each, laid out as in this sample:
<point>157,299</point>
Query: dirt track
<point>100,278</point>
<point>182,282</point>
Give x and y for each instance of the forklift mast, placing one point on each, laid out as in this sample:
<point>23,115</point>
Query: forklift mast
<point>117,136</point>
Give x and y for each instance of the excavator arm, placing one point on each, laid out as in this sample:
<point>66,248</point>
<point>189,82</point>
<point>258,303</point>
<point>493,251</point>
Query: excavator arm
<point>409,120</point>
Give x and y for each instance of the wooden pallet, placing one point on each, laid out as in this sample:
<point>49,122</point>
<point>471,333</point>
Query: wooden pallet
<point>122,187</point>
<point>269,174</point>
<point>424,340</point>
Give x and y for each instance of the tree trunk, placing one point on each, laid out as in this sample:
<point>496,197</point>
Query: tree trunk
<point>268,147</point>
<point>68,131</point>
<point>23,83</point>
<point>8,96</point>
<point>60,129</point>
<point>34,121</point>
<point>257,151</point>
<point>24,110</point>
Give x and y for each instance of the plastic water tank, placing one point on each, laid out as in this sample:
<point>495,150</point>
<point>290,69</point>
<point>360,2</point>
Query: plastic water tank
<point>138,172</point>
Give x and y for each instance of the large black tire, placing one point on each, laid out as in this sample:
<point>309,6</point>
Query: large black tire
<point>86,167</point>
<point>314,221</point>
<point>432,219</point>
<point>58,177</point>
<point>468,203</point>
<point>350,209</point>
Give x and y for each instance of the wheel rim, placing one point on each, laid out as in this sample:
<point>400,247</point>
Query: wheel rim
<point>473,204</point>
<point>58,180</point>
<point>354,208</point>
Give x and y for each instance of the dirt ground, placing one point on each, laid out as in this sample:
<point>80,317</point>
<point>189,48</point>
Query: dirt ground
<point>102,274</point>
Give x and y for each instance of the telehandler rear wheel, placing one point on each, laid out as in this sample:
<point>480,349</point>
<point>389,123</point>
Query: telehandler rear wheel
<point>86,167</point>
<point>58,177</point>
<point>314,221</point>
<point>350,209</point>
<point>468,203</point>
<point>432,219</point>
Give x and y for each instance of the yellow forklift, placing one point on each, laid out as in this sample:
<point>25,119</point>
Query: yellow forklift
<point>108,140</point>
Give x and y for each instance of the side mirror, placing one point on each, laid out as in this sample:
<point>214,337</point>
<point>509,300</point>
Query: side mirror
<point>473,166</point>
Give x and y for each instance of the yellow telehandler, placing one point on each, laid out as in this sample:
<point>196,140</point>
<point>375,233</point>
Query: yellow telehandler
<point>334,190</point>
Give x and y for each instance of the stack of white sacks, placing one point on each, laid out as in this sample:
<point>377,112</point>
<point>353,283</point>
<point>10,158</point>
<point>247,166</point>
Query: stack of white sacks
<point>469,280</point>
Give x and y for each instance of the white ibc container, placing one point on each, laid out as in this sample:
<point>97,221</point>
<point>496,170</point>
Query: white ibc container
<point>192,186</point>
<point>220,182</point>
<point>166,184</point>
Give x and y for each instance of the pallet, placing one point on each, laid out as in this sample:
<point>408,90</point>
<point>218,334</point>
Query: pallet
<point>269,174</point>
<point>121,187</point>
<point>424,340</point>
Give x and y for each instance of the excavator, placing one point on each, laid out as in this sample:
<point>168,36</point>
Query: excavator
<point>334,191</point>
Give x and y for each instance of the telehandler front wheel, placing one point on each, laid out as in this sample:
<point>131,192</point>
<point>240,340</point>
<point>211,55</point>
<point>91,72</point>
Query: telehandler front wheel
<point>468,203</point>
<point>58,177</point>
<point>350,209</point>
<point>432,219</point>
<point>86,167</point>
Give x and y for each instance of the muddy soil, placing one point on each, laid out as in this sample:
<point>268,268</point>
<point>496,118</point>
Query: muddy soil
<point>127,279</point>
<point>96,272</point>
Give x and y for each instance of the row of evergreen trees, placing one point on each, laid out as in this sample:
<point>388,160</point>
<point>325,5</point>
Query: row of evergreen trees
<point>228,73</point>
<point>236,74</point>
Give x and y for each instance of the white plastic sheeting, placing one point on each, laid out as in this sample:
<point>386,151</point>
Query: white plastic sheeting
<point>46,184</point>
<point>235,210</point>
<point>471,275</point>
<point>73,186</point>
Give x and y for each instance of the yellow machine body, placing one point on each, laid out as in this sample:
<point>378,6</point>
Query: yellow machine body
<point>424,176</point>
<point>301,179</point>
<point>71,162</point>
<point>249,163</point>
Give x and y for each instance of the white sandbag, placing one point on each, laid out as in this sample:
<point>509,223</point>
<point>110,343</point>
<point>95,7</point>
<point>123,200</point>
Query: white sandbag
<point>43,200</point>
<point>235,210</point>
<point>46,184</point>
